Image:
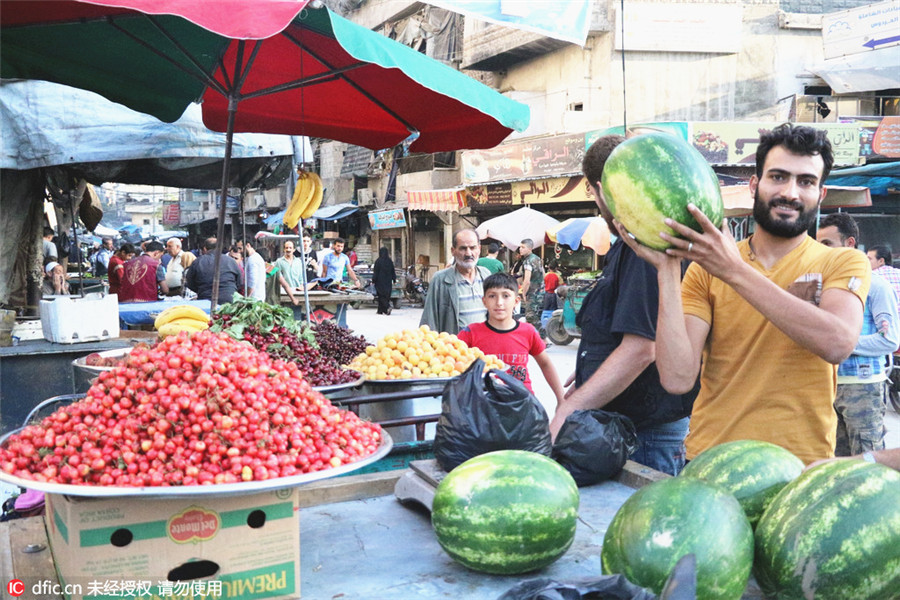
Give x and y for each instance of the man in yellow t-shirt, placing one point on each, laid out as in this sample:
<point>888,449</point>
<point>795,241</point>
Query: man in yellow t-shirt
<point>769,318</point>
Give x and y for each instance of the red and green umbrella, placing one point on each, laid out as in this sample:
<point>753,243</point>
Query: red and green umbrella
<point>262,66</point>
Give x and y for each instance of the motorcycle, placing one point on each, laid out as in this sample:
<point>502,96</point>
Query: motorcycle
<point>416,286</point>
<point>561,328</point>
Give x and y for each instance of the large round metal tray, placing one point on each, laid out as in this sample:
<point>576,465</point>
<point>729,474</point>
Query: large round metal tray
<point>413,380</point>
<point>222,489</point>
<point>79,363</point>
<point>341,386</point>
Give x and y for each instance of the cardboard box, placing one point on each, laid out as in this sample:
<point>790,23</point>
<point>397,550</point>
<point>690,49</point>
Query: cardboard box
<point>68,320</point>
<point>223,548</point>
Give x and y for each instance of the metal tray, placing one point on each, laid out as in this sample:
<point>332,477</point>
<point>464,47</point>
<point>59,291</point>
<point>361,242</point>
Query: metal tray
<point>413,380</point>
<point>222,489</point>
<point>341,386</point>
<point>79,363</point>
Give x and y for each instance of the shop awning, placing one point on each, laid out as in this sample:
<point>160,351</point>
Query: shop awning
<point>863,72</point>
<point>435,200</point>
<point>335,212</point>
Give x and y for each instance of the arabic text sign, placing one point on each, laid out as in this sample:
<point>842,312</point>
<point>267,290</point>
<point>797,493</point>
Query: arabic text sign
<point>387,219</point>
<point>541,157</point>
<point>861,29</point>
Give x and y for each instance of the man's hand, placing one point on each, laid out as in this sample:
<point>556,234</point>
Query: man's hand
<point>714,249</point>
<point>568,384</point>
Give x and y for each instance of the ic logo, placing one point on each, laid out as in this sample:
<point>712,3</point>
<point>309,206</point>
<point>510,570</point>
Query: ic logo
<point>15,587</point>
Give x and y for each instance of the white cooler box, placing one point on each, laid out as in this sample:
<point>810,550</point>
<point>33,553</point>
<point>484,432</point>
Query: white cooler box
<point>68,320</point>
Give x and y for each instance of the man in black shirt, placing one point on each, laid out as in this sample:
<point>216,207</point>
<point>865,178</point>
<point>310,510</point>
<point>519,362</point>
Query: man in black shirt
<point>615,368</point>
<point>199,276</point>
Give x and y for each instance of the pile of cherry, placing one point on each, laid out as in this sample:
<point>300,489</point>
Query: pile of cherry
<point>193,410</point>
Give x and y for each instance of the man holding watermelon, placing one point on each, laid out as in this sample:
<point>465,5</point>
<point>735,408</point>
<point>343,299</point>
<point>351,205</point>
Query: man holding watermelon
<point>614,367</point>
<point>769,318</point>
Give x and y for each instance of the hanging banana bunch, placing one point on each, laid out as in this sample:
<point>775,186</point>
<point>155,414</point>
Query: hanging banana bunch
<point>303,194</point>
<point>316,199</point>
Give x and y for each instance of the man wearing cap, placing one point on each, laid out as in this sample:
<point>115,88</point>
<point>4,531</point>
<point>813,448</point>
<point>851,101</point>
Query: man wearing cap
<point>55,283</point>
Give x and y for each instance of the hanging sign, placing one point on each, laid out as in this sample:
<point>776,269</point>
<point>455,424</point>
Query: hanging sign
<point>387,219</point>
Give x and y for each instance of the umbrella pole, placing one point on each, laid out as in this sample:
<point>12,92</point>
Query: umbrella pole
<point>305,282</point>
<point>77,249</point>
<point>220,231</point>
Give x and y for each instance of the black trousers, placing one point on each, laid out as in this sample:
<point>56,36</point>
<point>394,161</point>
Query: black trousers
<point>384,304</point>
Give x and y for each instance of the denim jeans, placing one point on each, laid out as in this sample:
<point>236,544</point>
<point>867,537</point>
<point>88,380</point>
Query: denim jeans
<point>340,315</point>
<point>661,447</point>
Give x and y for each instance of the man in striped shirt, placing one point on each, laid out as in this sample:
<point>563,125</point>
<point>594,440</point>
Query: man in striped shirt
<point>454,295</point>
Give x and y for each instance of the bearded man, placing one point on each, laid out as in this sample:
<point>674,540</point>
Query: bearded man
<point>769,318</point>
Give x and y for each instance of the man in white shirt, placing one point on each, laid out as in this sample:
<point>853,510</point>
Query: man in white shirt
<point>255,272</point>
<point>176,265</point>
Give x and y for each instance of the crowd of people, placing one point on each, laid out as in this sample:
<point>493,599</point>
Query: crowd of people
<point>153,271</point>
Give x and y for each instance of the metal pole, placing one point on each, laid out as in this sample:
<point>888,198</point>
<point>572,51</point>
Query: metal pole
<point>77,249</point>
<point>220,231</point>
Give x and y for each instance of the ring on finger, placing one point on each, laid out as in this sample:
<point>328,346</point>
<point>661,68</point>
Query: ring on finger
<point>690,246</point>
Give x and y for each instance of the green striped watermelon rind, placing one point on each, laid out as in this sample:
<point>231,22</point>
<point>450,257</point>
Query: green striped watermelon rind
<point>653,176</point>
<point>671,518</point>
<point>833,534</point>
<point>753,471</point>
<point>532,525</point>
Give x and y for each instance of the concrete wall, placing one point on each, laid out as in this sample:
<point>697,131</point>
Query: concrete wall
<point>683,86</point>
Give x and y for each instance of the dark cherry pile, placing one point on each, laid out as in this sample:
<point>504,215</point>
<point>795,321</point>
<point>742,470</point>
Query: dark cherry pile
<point>339,343</point>
<point>195,409</point>
<point>279,342</point>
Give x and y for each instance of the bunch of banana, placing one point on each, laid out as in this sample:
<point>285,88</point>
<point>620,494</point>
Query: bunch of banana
<point>182,317</point>
<point>306,199</point>
<point>316,199</point>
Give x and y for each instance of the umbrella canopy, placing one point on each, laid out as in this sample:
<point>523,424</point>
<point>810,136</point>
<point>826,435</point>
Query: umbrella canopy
<point>592,232</point>
<point>510,229</point>
<point>292,71</point>
<point>255,67</point>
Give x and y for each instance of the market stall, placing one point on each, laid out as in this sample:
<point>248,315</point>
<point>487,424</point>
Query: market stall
<point>135,314</point>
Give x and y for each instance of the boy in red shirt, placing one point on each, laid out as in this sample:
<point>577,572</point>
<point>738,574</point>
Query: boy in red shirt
<point>510,340</point>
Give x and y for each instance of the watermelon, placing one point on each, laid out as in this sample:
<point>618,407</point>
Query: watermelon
<point>832,533</point>
<point>753,471</point>
<point>671,518</point>
<point>506,512</point>
<point>653,176</point>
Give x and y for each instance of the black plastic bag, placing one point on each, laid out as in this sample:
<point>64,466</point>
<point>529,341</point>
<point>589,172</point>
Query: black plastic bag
<point>608,587</point>
<point>593,445</point>
<point>486,412</point>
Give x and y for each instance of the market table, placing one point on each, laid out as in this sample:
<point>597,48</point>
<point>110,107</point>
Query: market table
<point>358,542</point>
<point>323,304</point>
<point>35,370</point>
<point>132,314</point>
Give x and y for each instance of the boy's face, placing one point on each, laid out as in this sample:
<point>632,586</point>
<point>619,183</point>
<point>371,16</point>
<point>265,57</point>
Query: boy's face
<point>499,303</point>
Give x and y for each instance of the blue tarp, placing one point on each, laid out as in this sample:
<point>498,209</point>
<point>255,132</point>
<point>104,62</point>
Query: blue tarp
<point>878,177</point>
<point>335,211</point>
<point>47,124</point>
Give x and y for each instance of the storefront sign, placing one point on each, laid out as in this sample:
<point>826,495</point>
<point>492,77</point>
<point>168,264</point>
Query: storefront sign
<point>171,214</point>
<point>541,191</point>
<point>387,219</point>
<point>734,143</point>
<point>541,157</point>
